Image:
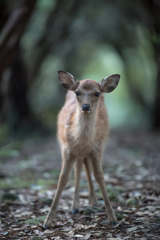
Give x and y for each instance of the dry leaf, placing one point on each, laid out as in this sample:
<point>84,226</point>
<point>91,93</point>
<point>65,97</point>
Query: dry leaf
<point>78,236</point>
<point>47,231</point>
<point>139,214</point>
<point>119,223</point>
<point>86,237</point>
<point>66,229</point>
<point>131,229</point>
<point>71,233</point>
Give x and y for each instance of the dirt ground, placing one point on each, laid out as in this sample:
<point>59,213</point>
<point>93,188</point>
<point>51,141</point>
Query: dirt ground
<point>29,172</point>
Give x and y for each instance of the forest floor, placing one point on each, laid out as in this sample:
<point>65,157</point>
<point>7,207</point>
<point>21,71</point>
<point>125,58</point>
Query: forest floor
<point>29,172</point>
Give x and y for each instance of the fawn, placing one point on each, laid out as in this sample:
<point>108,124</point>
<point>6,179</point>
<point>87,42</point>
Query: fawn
<point>82,131</point>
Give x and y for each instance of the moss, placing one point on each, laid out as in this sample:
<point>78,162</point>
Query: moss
<point>35,220</point>
<point>7,197</point>
<point>4,131</point>
<point>113,193</point>
<point>15,182</point>
<point>131,202</point>
<point>11,149</point>
<point>45,182</point>
<point>119,216</point>
<point>37,238</point>
<point>92,209</point>
<point>5,153</point>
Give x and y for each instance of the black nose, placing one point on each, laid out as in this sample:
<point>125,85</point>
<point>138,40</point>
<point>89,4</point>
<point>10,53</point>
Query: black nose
<point>85,107</point>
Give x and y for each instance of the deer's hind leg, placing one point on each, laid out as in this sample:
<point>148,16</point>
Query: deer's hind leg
<point>92,195</point>
<point>98,173</point>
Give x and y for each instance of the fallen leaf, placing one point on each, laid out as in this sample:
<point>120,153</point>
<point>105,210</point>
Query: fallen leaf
<point>47,231</point>
<point>66,229</point>
<point>79,236</point>
<point>86,237</point>
<point>139,214</point>
<point>123,220</point>
<point>131,229</point>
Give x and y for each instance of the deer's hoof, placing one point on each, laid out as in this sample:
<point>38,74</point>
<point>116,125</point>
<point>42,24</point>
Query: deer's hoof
<point>74,211</point>
<point>45,226</point>
<point>113,223</point>
<point>48,224</point>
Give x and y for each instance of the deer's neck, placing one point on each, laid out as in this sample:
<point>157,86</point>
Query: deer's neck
<point>85,123</point>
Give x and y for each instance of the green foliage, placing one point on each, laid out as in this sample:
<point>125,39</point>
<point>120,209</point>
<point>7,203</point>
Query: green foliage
<point>11,149</point>
<point>4,131</point>
<point>44,5</point>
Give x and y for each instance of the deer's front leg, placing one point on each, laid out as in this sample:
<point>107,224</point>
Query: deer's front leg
<point>63,179</point>
<point>98,173</point>
<point>77,174</point>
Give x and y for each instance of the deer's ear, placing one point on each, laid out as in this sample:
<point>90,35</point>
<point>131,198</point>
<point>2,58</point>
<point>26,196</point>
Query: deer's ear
<point>108,84</point>
<point>67,80</point>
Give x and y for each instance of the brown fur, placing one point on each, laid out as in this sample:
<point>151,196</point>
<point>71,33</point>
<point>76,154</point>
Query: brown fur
<point>82,137</point>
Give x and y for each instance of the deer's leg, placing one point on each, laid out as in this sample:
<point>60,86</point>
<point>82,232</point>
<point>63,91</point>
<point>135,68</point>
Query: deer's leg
<point>77,174</point>
<point>63,179</point>
<point>98,173</point>
<point>92,195</point>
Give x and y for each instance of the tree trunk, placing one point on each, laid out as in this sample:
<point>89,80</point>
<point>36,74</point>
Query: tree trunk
<point>156,123</point>
<point>17,111</point>
<point>154,7</point>
<point>20,110</point>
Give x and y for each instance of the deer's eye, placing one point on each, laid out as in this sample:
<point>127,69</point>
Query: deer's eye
<point>97,94</point>
<point>77,93</point>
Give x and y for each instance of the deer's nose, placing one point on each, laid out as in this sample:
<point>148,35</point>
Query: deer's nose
<point>85,107</point>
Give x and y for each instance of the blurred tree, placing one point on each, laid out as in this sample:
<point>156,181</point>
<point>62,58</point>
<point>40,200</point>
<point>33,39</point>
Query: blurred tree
<point>71,31</point>
<point>13,25</point>
<point>147,14</point>
<point>153,7</point>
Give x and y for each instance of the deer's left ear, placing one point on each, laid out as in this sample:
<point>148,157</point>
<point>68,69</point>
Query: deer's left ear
<point>108,84</point>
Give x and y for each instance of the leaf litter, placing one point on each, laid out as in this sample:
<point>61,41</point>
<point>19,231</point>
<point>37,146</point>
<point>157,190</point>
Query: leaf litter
<point>131,170</point>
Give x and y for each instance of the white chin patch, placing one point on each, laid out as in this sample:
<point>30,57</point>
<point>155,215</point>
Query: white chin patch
<point>85,111</point>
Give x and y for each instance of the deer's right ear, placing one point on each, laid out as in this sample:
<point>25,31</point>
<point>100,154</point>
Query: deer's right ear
<point>67,80</point>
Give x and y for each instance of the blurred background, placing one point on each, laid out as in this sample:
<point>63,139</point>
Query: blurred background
<point>88,38</point>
